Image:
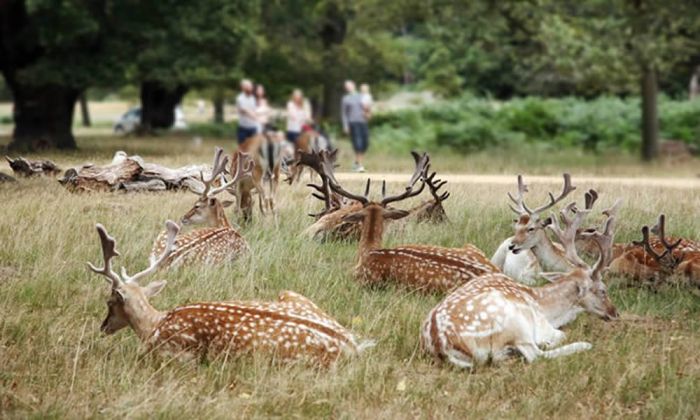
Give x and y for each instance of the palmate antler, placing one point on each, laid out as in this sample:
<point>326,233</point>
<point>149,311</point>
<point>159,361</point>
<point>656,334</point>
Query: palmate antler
<point>241,167</point>
<point>519,199</point>
<point>419,173</point>
<point>109,251</point>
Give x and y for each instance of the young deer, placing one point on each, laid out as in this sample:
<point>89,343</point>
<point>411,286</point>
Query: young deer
<point>490,316</point>
<point>266,150</point>
<point>654,259</point>
<point>292,327</point>
<point>522,255</point>
<point>421,267</point>
<point>219,242</point>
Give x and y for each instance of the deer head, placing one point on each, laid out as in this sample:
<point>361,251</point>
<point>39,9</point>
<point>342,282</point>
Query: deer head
<point>529,227</point>
<point>128,303</point>
<point>208,209</point>
<point>592,292</point>
<point>315,160</point>
<point>380,210</point>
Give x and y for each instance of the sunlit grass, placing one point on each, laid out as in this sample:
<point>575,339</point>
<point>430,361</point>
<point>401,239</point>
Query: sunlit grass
<point>56,363</point>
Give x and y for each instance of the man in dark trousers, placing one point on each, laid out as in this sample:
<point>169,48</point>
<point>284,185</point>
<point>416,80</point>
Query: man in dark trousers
<point>354,118</point>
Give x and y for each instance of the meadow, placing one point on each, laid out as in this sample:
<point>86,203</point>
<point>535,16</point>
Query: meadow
<point>56,363</point>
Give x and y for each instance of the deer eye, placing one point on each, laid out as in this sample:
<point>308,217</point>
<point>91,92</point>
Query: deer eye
<point>532,229</point>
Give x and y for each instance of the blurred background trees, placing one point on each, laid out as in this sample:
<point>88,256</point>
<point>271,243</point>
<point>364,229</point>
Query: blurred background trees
<point>52,51</point>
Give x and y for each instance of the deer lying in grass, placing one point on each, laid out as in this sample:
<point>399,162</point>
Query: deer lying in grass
<point>422,267</point>
<point>218,242</point>
<point>655,259</point>
<point>266,151</point>
<point>292,327</point>
<point>330,222</point>
<point>489,317</point>
<point>522,256</point>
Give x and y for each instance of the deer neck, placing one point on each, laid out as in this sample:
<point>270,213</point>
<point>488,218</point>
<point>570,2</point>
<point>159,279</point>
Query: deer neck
<point>559,301</point>
<point>549,256</point>
<point>220,219</point>
<point>372,231</point>
<point>143,317</point>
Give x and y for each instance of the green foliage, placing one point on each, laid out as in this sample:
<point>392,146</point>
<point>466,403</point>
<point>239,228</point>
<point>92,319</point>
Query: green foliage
<point>470,124</point>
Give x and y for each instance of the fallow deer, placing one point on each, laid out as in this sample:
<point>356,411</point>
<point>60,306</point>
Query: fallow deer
<point>218,242</point>
<point>292,327</point>
<point>523,255</point>
<point>266,149</point>
<point>490,317</point>
<point>431,210</point>
<point>655,259</point>
<point>421,267</point>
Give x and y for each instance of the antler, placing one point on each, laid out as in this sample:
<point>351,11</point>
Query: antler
<point>519,201</point>
<point>243,164</point>
<point>567,236</point>
<point>327,168</point>
<point>590,198</point>
<point>604,240</point>
<point>108,252</point>
<point>419,173</point>
<point>660,230</point>
<point>434,185</point>
<point>218,166</point>
<point>172,230</point>
<point>314,160</point>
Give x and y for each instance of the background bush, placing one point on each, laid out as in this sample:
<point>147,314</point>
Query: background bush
<point>470,124</point>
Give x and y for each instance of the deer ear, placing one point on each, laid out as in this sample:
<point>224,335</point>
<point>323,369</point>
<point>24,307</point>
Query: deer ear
<point>395,214</point>
<point>154,288</point>
<point>227,203</point>
<point>356,217</point>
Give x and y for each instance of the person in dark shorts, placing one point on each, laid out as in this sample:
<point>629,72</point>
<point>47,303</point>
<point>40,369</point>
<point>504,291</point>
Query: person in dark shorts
<point>246,107</point>
<point>354,118</point>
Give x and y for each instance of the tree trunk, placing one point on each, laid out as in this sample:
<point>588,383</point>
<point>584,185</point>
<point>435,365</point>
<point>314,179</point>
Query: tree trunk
<point>43,117</point>
<point>84,110</point>
<point>650,117</point>
<point>218,108</point>
<point>158,104</point>
<point>332,33</point>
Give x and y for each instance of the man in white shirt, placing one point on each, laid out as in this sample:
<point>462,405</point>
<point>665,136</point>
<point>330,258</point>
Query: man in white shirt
<point>246,109</point>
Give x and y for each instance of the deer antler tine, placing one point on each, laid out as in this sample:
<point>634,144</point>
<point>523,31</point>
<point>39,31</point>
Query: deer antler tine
<point>383,188</point>
<point>647,246</point>
<point>612,210</point>
<point>566,190</point>
<point>243,163</point>
<point>109,251</point>
<point>172,230</point>
<point>519,199</point>
<point>419,173</point>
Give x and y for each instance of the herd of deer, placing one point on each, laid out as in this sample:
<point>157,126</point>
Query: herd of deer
<point>491,309</point>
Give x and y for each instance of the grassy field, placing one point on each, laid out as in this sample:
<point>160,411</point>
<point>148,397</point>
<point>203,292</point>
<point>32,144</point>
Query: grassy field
<point>55,362</point>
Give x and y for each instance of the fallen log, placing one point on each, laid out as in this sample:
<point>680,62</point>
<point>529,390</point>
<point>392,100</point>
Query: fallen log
<point>6,178</point>
<point>131,173</point>
<point>28,168</point>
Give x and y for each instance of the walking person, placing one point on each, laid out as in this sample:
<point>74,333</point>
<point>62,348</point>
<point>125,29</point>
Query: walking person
<point>262,109</point>
<point>298,115</point>
<point>355,123</point>
<point>246,110</point>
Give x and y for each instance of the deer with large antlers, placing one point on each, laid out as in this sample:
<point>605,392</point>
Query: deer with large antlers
<point>432,210</point>
<point>492,316</point>
<point>421,267</point>
<point>523,255</point>
<point>655,259</point>
<point>218,242</point>
<point>292,327</point>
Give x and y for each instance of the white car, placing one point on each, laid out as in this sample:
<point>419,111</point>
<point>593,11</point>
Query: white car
<point>129,122</point>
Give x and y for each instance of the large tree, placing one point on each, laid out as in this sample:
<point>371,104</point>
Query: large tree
<point>178,45</point>
<point>48,55</point>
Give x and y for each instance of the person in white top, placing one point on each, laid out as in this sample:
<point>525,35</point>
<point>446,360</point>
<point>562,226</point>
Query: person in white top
<point>263,110</point>
<point>298,114</point>
<point>367,100</point>
<point>246,109</point>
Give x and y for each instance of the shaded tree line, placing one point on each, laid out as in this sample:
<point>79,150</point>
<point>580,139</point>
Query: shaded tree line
<point>51,51</point>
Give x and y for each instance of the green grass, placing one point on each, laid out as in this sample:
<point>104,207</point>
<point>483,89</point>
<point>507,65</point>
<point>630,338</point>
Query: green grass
<point>55,363</point>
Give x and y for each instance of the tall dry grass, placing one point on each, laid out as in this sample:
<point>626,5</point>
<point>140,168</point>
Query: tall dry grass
<point>55,363</point>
